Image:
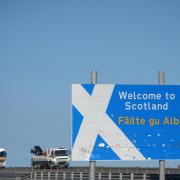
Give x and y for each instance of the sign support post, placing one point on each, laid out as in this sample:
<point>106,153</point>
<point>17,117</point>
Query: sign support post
<point>161,81</point>
<point>92,172</point>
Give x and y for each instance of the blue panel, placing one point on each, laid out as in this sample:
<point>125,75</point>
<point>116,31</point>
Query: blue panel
<point>103,151</point>
<point>153,141</point>
<point>88,87</point>
<point>77,120</point>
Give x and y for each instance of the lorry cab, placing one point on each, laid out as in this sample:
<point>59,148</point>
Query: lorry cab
<point>59,156</point>
<point>2,158</point>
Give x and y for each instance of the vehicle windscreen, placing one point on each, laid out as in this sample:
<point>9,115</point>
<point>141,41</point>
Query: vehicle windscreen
<point>2,154</point>
<point>61,153</point>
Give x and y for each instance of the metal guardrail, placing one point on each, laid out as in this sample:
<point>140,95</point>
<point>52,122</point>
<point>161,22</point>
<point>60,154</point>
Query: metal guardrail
<point>99,176</point>
<point>82,173</point>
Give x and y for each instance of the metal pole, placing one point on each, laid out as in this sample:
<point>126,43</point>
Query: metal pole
<point>92,171</point>
<point>93,77</point>
<point>161,77</point>
<point>161,169</point>
<point>161,81</point>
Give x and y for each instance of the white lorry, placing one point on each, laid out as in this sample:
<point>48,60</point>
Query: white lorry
<point>2,158</point>
<point>52,158</point>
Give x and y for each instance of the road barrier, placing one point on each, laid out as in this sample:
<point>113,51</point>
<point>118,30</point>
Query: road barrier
<point>82,173</point>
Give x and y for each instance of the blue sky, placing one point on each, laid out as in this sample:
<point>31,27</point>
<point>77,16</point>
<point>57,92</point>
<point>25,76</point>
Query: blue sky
<point>47,45</point>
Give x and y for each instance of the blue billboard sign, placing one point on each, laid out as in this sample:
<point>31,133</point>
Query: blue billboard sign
<point>125,122</point>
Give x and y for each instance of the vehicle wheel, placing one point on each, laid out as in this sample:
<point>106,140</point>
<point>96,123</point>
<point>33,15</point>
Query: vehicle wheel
<point>34,165</point>
<point>51,166</point>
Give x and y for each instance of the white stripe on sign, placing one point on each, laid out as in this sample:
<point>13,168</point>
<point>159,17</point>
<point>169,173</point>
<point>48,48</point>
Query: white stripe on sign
<point>97,122</point>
